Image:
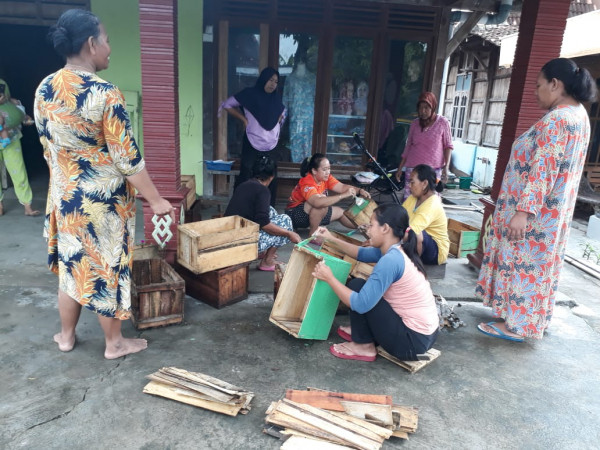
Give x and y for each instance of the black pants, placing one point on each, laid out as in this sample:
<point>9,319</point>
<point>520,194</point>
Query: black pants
<point>249,156</point>
<point>383,326</point>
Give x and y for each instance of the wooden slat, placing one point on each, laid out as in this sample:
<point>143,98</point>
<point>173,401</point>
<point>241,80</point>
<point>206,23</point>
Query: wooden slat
<point>332,400</point>
<point>303,443</point>
<point>411,366</point>
<point>184,396</point>
<point>326,421</point>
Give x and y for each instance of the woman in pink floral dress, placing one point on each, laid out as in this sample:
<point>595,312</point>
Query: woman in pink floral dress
<point>530,227</point>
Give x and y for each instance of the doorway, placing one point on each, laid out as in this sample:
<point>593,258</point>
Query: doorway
<point>23,64</point>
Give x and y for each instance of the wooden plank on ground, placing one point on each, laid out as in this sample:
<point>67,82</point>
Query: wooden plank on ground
<point>411,366</point>
<point>183,396</point>
<point>303,443</point>
<point>343,429</point>
<point>408,417</point>
<point>369,411</point>
<point>292,423</point>
<point>331,400</point>
<point>379,430</point>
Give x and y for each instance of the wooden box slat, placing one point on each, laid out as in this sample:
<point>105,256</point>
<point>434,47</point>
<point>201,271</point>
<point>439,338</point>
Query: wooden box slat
<point>156,295</point>
<point>304,306</point>
<point>189,181</point>
<point>361,215</point>
<point>217,243</point>
<point>217,288</point>
<point>464,238</point>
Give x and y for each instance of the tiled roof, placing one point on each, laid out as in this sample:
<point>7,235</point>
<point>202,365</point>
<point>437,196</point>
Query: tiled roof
<point>494,33</point>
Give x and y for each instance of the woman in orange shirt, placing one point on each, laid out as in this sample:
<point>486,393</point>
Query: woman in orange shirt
<point>311,202</point>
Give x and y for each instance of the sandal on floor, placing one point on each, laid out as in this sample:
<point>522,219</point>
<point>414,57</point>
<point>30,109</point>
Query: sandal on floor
<point>266,268</point>
<point>337,354</point>
<point>345,336</point>
<point>499,334</point>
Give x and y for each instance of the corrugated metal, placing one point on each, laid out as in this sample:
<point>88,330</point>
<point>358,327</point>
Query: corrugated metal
<point>160,104</point>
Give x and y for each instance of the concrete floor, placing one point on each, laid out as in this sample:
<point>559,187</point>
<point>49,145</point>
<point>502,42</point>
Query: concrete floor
<point>480,393</point>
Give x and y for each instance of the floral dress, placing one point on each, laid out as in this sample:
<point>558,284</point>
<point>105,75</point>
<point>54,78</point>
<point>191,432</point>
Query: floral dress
<point>519,279</point>
<point>90,212</point>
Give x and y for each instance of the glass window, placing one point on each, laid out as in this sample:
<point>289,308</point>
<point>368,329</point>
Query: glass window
<point>297,68</point>
<point>459,104</point>
<point>348,102</point>
<point>243,70</point>
<point>403,85</point>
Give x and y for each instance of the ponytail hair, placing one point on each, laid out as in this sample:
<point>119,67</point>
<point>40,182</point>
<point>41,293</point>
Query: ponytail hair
<point>310,163</point>
<point>396,217</point>
<point>578,81</point>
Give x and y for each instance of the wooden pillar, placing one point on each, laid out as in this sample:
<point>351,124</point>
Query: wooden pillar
<point>541,33</point>
<point>160,107</point>
<point>440,43</point>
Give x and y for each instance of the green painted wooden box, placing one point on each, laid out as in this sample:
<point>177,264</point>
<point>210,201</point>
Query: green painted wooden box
<point>463,238</point>
<point>305,307</point>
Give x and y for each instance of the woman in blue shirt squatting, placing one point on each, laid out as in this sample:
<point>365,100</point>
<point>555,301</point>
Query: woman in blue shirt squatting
<point>395,307</point>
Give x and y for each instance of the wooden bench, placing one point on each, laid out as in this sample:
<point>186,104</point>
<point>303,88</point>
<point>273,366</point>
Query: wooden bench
<point>590,181</point>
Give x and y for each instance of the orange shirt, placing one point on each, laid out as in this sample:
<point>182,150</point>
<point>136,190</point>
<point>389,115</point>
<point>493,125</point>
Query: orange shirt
<point>307,187</point>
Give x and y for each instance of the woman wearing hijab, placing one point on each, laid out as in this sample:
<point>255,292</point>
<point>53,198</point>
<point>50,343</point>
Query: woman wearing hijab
<point>261,111</point>
<point>429,141</point>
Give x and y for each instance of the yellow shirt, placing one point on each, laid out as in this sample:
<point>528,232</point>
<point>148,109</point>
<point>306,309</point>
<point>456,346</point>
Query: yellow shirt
<point>430,216</point>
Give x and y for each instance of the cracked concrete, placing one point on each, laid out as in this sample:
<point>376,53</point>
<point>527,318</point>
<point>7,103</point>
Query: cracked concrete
<point>480,393</point>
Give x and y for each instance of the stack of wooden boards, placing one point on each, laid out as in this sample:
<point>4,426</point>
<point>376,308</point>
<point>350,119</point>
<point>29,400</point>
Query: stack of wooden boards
<point>199,390</point>
<point>322,419</point>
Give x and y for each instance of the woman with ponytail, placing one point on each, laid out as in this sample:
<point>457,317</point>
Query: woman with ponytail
<point>395,307</point>
<point>426,215</point>
<point>311,202</point>
<point>530,227</point>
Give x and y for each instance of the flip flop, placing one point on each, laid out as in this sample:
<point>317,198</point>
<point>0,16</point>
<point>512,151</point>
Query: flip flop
<point>345,336</point>
<point>337,354</point>
<point>500,335</point>
<point>266,268</point>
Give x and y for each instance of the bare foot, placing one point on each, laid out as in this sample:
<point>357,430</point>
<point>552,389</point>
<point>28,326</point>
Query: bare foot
<point>125,347</point>
<point>64,345</point>
<point>31,212</point>
<point>1,209</point>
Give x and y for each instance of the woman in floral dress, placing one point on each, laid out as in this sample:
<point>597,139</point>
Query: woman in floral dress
<point>530,227</point>
<point>94,167</point>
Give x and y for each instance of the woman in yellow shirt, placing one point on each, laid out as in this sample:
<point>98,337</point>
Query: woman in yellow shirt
<point>426,216</point>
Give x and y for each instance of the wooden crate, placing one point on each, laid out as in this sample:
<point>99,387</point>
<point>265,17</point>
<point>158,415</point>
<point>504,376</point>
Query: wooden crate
<point>217,288</point>
<point>358,269</point>
<point>305,307</point>
<point>217,243</point>
<point>156,294</point>
<point>463,238</point>
<point>361,215</point>
<point>189,181</point>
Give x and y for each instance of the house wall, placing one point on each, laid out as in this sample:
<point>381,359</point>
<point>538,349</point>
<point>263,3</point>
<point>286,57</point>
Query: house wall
<point>121,20</point>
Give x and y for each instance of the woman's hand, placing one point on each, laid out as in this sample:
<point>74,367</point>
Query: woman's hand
<point>364,193</point>
<point>517,226</point>
<point>294,237</point>
<point>163,207</point>
<point>322,272</point>
<point>323,233</point>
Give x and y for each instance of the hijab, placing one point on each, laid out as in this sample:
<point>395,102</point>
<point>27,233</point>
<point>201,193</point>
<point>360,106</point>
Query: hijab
<point>266,108</point>
<point>429,98</point>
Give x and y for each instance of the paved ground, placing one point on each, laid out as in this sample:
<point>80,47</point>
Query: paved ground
<point>480,393</point>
